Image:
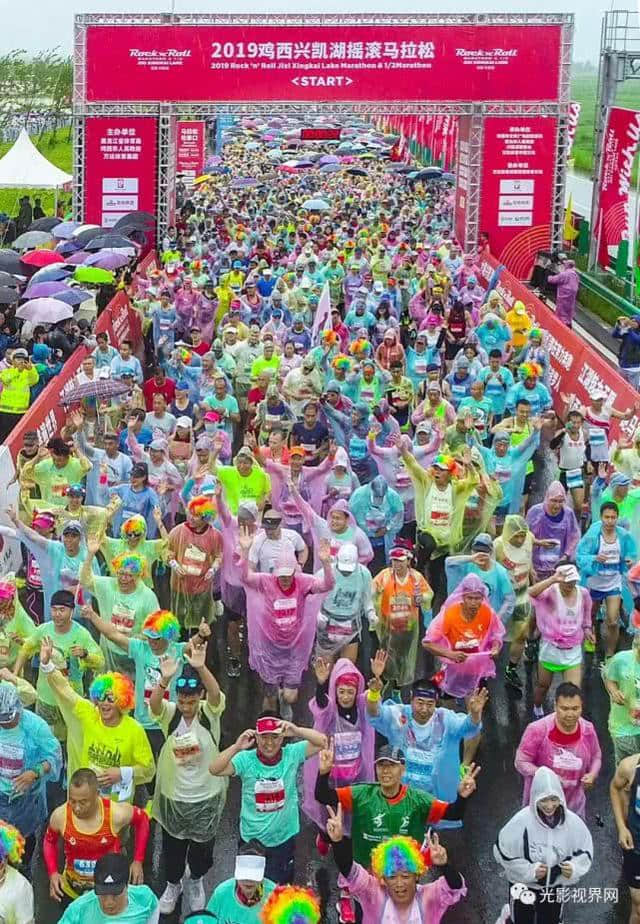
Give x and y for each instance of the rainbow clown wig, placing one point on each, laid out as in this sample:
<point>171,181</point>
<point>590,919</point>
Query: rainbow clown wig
<point>341,362</point>
<point>398,854</point>
<point>133,526</point>
<point>329,337</point>
<point>11,844</point>
<point>185,356</point>
<point>360,346</point>
<point>130,562</point>
<point>161,624</point>
<point>290,904</point>
<point>116,685</point>
<point>202,506</point>
<point>529,371</point>
<point>445,462</point>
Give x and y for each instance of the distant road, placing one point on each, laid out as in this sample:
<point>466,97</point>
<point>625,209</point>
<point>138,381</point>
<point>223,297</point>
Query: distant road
<point>580,186</point>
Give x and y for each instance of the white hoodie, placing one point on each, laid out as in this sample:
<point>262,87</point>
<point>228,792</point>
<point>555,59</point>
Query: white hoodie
<point>525,841</point>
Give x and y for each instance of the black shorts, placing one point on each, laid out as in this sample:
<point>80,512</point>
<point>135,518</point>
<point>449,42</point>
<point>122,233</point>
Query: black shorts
<point>528,482</point>
<point>631,868</point>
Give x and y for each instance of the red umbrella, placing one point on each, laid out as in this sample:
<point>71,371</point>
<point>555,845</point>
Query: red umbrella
<point>42,258</point>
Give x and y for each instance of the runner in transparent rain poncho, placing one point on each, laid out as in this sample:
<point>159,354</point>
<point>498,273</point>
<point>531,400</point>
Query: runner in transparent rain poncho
<point>347,609</point>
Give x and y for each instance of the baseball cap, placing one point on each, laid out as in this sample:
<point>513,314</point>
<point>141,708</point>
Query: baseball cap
<point>347,558</point>
<point>111,874</point>
<point>249,868</point>
<point>10,705</point>
<point>393,755</point>
<point>245,451</point>
<point>63,598</point>
<point>158,445</point>
<point>20,353</point>
<point>184,421</point>
<point>72,526</point>
<point>569,574</point>
<point>272,516</point>
<point>482,543</point>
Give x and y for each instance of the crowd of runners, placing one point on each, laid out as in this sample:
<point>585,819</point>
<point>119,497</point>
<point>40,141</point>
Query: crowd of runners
<point>335,456</point>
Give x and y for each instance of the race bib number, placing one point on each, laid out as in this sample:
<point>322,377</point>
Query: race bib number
<point>186,748</point>
<point>11,761</point>
<point>269,795</point>
<point>566,760</point>
<point>284,612</point>
<point>347,747</point>
<point>123,618</point>
<point>194,559</point>
<point>419,767</point>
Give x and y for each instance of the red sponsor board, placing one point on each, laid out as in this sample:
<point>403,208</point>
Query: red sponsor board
<point>121,322</point>
<point>120,168</point>
<point>462,184</point>
<point>519,156</point>
<point>576,368</point>
<point>320,134</point>
<point>47,415</point>
<point>191,139</point>
<point>620,145</point>
<point>191,63</point>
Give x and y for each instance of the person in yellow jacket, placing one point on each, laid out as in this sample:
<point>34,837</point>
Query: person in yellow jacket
<point>520,324</point>
<point>15,395</point>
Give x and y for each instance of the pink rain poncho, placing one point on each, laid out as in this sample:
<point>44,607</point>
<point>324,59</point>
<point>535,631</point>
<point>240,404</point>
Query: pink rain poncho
<point>562,627</point>
<point>354,743</point>
<point>569,760</point>
<point>231,587</point>
<point>282,623</point>
<point>320,529</point>
<point>430,904</point>
<point>461,679</point>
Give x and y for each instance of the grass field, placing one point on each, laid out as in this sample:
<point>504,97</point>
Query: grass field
<point>583,91</point>
<point>58,152</point>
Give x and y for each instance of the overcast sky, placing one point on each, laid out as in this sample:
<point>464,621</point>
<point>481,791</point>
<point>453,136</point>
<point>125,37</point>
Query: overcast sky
<point>40,24</point>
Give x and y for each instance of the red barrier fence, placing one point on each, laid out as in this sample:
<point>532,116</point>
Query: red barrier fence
<point>576,368</point>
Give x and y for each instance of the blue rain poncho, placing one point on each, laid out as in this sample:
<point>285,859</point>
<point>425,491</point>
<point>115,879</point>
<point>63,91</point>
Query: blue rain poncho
<point>376,506</point>
<point>510,470</point>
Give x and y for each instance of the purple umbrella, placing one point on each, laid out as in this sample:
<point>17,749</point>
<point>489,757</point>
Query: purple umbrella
<point>107,259</point>
<point>329,159</point>
<point>65,229</point>
<point>67,247</point>
<point>244,182</point>
<point>44,289</point>
<point>74,296</point>
<point>77,258</point>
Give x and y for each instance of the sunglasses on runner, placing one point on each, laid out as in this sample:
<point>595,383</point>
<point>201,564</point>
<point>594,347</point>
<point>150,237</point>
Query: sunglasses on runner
<point>190,683</point>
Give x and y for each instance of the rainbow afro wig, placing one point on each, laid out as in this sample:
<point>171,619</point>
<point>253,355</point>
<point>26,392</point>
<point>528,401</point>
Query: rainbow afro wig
<point>185,356</point>
<point>291,905</point>
<point>341,362</point>
<point>11,844</point>
<point>119,686</point>
<point>161,624</point>
<point>446,462</point>
<point>130,562</point>
<point>397,855</point>
<point>133,526</point>
<point>202,506</point>
<point>360,346</point>
<point>529,371</point>
<point>329,337</point>
<point>535,334</point>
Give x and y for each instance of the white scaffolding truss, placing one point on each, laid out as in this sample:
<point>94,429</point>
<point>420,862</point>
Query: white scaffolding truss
<point>164,113</point>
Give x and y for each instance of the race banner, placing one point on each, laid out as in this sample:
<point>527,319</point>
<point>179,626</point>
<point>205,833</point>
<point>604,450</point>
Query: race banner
<point>121,322</point>
<point>120,168</point>
<point>572,126</point>
<point>191,140</point>
<point>516,206</point>
<point>300,63</point>
<point>575,367</point>
<point>619,149</point>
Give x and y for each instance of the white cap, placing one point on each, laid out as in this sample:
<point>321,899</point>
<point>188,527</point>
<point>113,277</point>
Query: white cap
<point>249,868</point>
<point>347,557</point>
<point>184,421</point>
<point>569,573</point>
<point>378,286</point>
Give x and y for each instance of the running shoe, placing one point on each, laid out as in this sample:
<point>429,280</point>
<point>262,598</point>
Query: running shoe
<point>169,898</point>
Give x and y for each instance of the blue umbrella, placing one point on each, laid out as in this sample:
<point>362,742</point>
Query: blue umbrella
<point>73,296</point>
<point>67,248</point>
<point>53,273</point>
<point>449,177</point>
<point>330,168</point>
<point>65,228</point>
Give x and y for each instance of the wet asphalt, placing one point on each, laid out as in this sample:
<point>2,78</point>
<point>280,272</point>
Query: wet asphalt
<point>470,850</point>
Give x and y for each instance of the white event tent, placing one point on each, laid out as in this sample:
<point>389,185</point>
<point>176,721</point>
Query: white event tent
<point>24,165</point>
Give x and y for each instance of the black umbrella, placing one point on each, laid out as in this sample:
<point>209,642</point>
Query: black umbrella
<point>429,173</point>
<point>8,296</point>
<point>44,224</point>
<point>10,263</point>
<point>85,236</point>
<point>6,279</point>
<point>140,220</point>
<point>357,171</point>
<point>108,241</point>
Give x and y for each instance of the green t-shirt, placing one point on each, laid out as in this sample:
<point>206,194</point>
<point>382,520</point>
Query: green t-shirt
<point>13,633</point>
<point>261,365</point>
<point>269,806</point>
<point>12,759</point>
<point>72,668</point>
<point>255,486</point>
<point>226,909</point>
<point>375,818</point>
<point>624,669</point>
<point>86,909</point>
<point>148,674</point>
<point>126,612</point>
<point>53,481</point>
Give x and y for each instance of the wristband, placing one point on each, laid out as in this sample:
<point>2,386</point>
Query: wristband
<point>47,668</point>
<point>163,686</point>
<point>373,696</point>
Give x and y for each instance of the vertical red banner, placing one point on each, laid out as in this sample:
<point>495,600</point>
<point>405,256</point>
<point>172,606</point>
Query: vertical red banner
<point>516,211</point>
<point>462,183</point>
<point>120,168</point>
<point>191,140</point>
<point>620,146</point>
